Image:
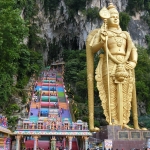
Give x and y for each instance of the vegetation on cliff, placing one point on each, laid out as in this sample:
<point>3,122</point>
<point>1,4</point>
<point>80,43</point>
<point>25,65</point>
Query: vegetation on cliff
<point>16,59</point>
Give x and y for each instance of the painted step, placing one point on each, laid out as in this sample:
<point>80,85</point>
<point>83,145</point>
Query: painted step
<point>35,105</point>
<point>33,119</point>
<point>63,105</point>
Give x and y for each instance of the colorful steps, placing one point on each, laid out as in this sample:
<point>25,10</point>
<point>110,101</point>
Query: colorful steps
<point>62,99</point>
<point>35,105</point>
<point>52,100</point>
<point>63,105</point>
<point>61,94</point>
<point>33,119</point>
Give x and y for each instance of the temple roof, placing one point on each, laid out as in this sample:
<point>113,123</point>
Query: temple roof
<point>4,130</point>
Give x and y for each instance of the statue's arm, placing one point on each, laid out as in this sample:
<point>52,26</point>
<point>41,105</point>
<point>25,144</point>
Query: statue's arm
<point>96,43</point>
<point>134,54</point>
<point>132,61</point>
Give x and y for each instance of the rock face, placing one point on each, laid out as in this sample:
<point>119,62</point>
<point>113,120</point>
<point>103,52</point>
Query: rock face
<point>138,29</point>
<point>66,31</point>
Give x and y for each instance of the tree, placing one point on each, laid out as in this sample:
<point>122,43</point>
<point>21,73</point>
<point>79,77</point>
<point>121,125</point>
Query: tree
<point>124,20</point>
<point>81,85</point>
<point>13,30</point>
<point>142,72</point>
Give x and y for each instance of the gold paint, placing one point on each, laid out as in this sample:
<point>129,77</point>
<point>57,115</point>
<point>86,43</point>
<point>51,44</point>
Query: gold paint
<point>115,71</point>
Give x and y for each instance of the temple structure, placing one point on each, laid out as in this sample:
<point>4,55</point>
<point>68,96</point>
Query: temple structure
<point>5,140</point>
<point>49,124</point>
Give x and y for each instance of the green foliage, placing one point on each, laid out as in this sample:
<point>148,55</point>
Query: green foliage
<point>75,74</point>
<point>81,111</point>
<point>96,123</point>
<point>70,54</point>
<point>11,109</point>
<point>12,120</point>
<point>15,59</point>
<point>148,106</point>
<point>30,10</point>
<point>124,20</point>
<point>146,18</point>
<point>30,62</point>
<point>5,87</point>
<point>144,121</point>
<point>12,33</point>
<point>147,37</point>
<point>71,69</point>
<point>76,79</point>
<point>142,73</point>
<point>136,5</point>
<point>50,6</point>
<point>75,63</point>
<point>92,13</point>
<point>75,5</point>
<point>29,7</point>
<point>81,84</point>
<point>139,5</point>
<point>36,62</point>
<point>35,42</point>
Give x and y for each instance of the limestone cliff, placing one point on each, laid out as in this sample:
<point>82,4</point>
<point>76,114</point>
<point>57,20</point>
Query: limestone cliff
<point>72,33</point>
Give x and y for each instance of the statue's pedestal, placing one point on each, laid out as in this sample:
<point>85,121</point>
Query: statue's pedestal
<point>125,139</point>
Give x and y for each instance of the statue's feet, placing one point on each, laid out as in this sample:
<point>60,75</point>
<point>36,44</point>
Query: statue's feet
<point>138,128</point>
<point>94,129</point>
<point>126,126</point>
<point>143,128</point>
<point>135,127</point>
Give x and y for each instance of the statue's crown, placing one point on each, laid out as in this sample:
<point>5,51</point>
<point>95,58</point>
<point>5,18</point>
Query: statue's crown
<point>112,8</point>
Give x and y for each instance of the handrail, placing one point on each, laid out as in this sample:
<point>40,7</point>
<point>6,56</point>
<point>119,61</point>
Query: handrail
<point>36,127</point>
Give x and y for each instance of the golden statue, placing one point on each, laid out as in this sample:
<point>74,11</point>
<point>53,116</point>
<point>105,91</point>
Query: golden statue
<point>115,71</point>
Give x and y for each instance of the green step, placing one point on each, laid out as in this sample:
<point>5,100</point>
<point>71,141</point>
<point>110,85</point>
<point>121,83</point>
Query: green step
<point>46,81</point>
<point>45,98</point>
<point>61,94</point>
<point>53,99</point>
<point>62,99</point>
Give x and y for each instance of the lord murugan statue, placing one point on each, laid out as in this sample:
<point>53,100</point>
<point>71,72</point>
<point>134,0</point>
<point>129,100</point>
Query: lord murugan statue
<point>115,71</point>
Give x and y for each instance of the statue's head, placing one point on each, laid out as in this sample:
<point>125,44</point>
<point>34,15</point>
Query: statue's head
<point>112,9</point>
<point>113,21</point>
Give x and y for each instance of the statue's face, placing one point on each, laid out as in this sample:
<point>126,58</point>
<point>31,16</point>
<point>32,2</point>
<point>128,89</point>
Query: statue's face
<point>113,21</point>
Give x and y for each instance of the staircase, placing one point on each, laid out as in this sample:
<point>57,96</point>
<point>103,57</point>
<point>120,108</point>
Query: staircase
<point>33,119</point>
<point>51,100</point>
<point>63,105</point>
<point>35,105</point>
<point>66,114</point>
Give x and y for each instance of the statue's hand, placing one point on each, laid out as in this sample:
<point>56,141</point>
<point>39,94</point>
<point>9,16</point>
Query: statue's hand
<point>103,35</point>
<point>130,65</point>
